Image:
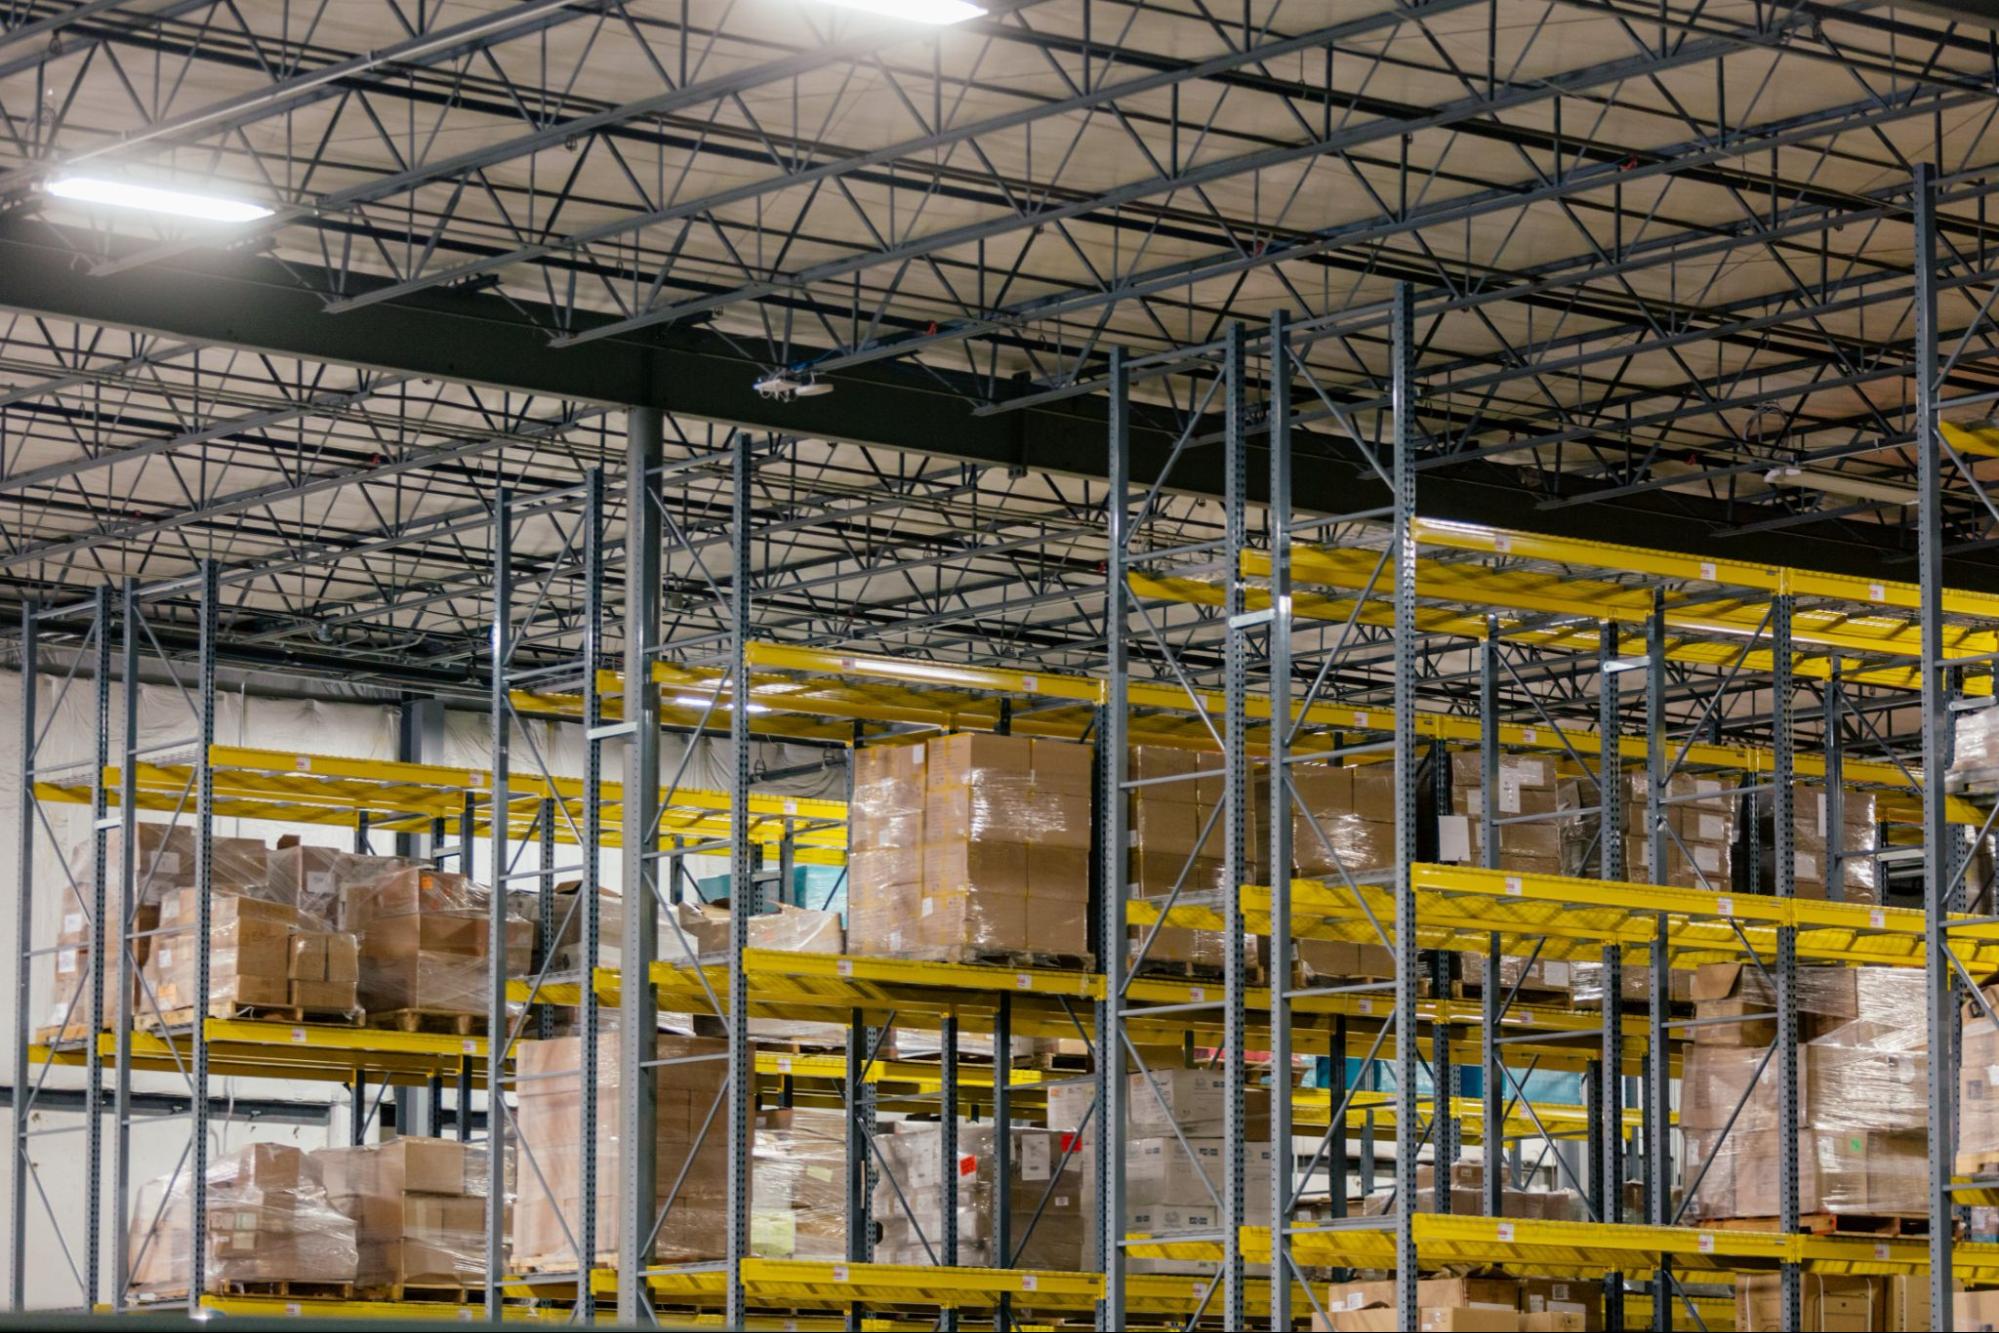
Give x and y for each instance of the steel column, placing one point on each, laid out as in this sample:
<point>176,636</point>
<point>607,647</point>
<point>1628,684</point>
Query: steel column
<point>1402,558</point>
<point>637,1017</point>
<point>1607,1171</point>
<point>1280,964</point>
<point>24,931</point>
<point>1658,1067</point>
<point>204,925</point>
<point>1108,1222</point>
<point>742,1069</point>
<point>1936,727</point>
<point>1235,833</point>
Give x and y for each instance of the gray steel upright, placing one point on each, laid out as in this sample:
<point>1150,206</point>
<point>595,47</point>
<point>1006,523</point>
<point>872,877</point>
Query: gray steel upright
<point>638,1021</point>
<point>1784,843</point>
<point>204,922</point>
<point>742,1070</point>
<point>1607,1172</point>
<point>1492,995</point>
<point>1235,845</point>
<point>128,895</point>
<point>1402,560</point>
<point>500,715</point>
<point>101,934</point>
<point>1658,1118</point>
<point>1279,964</point>
<point>1108,1222</point>
<point>1936,739</point>
<point>24,931</point>
<point>1835,783</point>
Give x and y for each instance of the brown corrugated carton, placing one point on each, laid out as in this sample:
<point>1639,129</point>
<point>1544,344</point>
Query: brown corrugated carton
<point>268,1221</point>
<point>1831,1304</point>
<point>547,1207</point>
<point>1568,1297</point>
<point>406,1165</point>
<point>318,880</point>
<point>1905,1304</point>
<point>1975,1311</point>
<point>325,970</point>
<point>249,950</point>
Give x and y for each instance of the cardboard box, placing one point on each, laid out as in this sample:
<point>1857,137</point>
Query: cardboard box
<point>1975,1311</point>
<point>407,1165</point>
<point>1831,1304</point>
<point>1905,1304</point>
<point>1562,1299</point>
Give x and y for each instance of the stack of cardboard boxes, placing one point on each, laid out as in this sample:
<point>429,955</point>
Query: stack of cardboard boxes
<point>269,1221</point>
<point>686,1084</point>
<point>1816,845</point>
<point>1177,839</point>
<point>1863,1101</point>
<point>1049,1218</point>
<point>971,846</point>
<point>1467,1190</point>
<point>1978,1089</point>
<point>424,943</point>
<point>1834,1304</point>
<point>318,880</point>
<point>799,1185</point>
<point>1700,854</point>
<point>1534,808</point>
<point>1975,755</point>
<point>249,952</point>
<point>1173,1154</point>
<point>1484,1304</point>
<point>418,1207</point>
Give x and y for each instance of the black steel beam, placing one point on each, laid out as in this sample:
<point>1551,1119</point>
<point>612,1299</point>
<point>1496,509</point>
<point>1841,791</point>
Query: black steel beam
<point>256,302</point>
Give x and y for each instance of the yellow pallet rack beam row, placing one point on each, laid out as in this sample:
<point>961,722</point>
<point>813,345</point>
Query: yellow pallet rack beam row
<point>1052,1002</point>
<point>1532,1246</point>
<point>403,797</point>
<point>967,698</point>
<point>1460,908</point>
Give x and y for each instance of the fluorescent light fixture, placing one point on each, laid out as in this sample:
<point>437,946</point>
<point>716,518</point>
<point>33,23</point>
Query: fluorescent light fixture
<point>154,199</point>
<point>1836,483</point>
<point>1612,665</point>
<point>916,11</point>
<point>699,701</point>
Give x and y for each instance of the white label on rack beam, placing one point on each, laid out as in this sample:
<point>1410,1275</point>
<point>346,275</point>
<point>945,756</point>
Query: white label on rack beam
<point>1707,570</point>
<point>1505,1233</point>
<point>1198,992</point>
<point>1877,919</point>
<point>1023,981</point>
<point>298,1034</point>
<point>784,1064</point>
<point>1705,1242</point>
<point>1876,592</point>
<point>791,807</point>
<point>1881,1250</point>
<point>839,1272</point>
<point>303,763</point>
<point>1030,683</point>
<point>1513,887</point>
<point>470,1046</point>
<point>294,1308</point>
<point>1530,735</point>
<point>1360,719</point>
<point>845,967</point>
<point>1366,1006</point>
<point>1502,544</point>
<point>1726,906</point>
<point>465,1313</point>
<point>1029,1282</point>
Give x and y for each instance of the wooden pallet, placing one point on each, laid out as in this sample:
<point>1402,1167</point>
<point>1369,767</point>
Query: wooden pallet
<point>1024,959</point>
<point>450,1022</point>
<point>1978,1165</point>
<point>1833,1224</point>
<point>440,1293</point>
<point>175,1020</point>
<point>63,1036</point>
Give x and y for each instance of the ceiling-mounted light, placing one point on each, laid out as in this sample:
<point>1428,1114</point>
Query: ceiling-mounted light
<point>154,199</point>
<point>1611,666</point>
<point>916,11</point>
<point>1838,483</point>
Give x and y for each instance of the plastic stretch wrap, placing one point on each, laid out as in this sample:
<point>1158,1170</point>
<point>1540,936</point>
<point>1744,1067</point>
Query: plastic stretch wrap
<point>249,952</point>
<point>1977,748</point>
<point>971,845</point>
<point>705,927</point>
<point>1538,832</point>
<point>1586,984</point>
<point>1700,813</point>
<point>1467,1188</point>
<point>1978,1089</point>
<point>1863,1120</point>
<point>799,1184</point>
<point>269,1220</point>
<point>548,1206</point>
<point>418,1206</point>
<point>1518,976</point>
<point>318,880</point>
<point>1042,1180</point>
<point>424,941</point>
<point>1828,998</point>
<point>325,971</point>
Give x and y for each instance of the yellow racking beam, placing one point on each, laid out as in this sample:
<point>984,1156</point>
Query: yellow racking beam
<point>1533,1246</point>
<point>254,1048</point>
<point>1460,908</point>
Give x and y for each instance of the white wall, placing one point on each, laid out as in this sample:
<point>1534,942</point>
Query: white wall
<point>59,1170</point>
